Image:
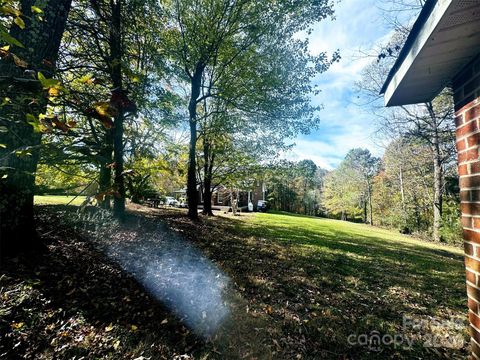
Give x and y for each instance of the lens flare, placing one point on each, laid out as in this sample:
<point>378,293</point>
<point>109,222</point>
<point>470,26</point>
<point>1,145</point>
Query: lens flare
<point>177,274</point>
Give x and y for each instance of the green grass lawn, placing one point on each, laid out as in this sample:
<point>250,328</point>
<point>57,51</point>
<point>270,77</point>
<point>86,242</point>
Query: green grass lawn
<point>357,279</point>
<point>302,288</point>
<point>58,200</point>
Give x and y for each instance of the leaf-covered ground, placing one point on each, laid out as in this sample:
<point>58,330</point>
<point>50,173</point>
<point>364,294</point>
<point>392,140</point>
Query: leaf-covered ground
<point>300,288</point>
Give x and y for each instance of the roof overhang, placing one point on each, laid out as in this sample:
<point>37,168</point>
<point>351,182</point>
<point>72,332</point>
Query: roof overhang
<point>445,37</point>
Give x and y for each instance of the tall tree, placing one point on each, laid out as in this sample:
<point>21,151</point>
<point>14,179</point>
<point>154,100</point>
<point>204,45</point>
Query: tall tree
<point>33,53</point>
<point>366,167</point>
<point>343,192</point>
<point>108,44</point>
<point>403,190</point>
<point>237,37</point>
<point>307,169</point>
<point>294,186</point>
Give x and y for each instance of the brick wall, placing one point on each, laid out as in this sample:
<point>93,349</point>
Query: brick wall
<point>466,88</point>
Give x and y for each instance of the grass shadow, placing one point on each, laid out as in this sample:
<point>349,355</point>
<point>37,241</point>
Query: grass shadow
<point>358,278</point>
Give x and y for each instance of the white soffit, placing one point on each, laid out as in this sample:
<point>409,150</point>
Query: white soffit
<point>447,41</point>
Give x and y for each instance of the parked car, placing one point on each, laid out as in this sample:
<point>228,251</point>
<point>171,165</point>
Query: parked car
<point>171,201</point>
<point>262,205</point>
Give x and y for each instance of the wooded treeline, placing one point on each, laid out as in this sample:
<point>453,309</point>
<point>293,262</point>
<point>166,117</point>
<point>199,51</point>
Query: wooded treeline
<point>97,97</point>
<point>395,191</point>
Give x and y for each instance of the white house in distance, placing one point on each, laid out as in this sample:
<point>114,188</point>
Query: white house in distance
<point>443,49</point>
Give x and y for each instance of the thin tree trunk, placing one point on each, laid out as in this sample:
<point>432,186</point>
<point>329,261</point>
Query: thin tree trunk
<point>195,84</point>
<point>437,177</point>
<point>305,197</point>
<point>438,199</point>
<point>402,188</point>
<point>402,196</point>
<point>191,176</point>
<point>207,200</point>
<point>365,212</point>
<point>417,212</point>
<point>41,40</point>
<point>119,181</point>
<point>369,193</point>
<point>105,183</point>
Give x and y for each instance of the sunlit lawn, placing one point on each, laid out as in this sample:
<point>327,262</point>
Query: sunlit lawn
<point>305,287</point>
<point>357,279</point>
<point>58,200</point>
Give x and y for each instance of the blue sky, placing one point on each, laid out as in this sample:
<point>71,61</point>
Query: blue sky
<point>344,125</point>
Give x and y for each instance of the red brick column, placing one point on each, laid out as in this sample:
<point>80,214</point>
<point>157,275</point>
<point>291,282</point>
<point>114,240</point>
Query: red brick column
<point>467,118</point>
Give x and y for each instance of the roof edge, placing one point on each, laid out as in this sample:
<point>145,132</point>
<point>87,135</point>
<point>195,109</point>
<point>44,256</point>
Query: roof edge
<point>412,36</point>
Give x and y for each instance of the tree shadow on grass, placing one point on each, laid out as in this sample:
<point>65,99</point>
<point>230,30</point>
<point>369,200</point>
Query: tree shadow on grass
<point>327,282</point>
<point>372,259</point>
<point>301,292</point>
<point>75,301</point>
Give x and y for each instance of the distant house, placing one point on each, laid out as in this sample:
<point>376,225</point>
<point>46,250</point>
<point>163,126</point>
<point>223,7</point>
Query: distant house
<point>443,49</point>
<point>222,196</point>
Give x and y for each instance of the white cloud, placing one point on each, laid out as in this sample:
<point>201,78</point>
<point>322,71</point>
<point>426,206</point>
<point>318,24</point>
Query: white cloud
<point>344,125</point>
<point>328,150</point>
<point>317,151</point>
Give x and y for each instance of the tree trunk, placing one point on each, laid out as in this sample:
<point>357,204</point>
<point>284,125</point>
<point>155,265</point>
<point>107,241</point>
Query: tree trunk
<point>369,193</point>
<point>105,180</point>
<point>417,213</point>
<point>195,84</point>
<point>207,178</point>
<point>305,197</point>
<point>402,195</point>
<point>116,55</point>
<point>207,199</point>
<point>402,188</point>
<point>437,177</point>
<point>365,212</point>
<point>191,176</point>
<point>119,182</point>
<point>41,40</point>
<point>233,203</point>
<point>437,199</point>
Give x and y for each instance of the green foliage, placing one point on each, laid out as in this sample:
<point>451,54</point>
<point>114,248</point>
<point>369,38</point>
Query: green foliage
<point>9,10</point>
<point>403,190</point>
<point>47,83</point>
<point>451,230</point>
<point>143,175</point>
<point>64,179</point>
<point>244,56</point>
<point>343,193</point>
<point>348,189</point>
<point>87,69</point>
<point>295,186</point>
